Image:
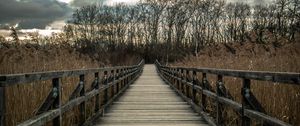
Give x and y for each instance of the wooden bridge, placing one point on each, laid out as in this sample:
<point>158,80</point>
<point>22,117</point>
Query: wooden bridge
<point>147,95</point>
<point>149,101</point>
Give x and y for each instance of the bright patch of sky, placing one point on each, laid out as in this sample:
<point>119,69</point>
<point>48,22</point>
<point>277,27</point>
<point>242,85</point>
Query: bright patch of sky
<point>65,1</point>
<point>48,31</point>
<point>112,2</point>
<point>109,2</point>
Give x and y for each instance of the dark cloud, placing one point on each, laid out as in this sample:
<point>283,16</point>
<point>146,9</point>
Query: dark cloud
<point>32,13</point>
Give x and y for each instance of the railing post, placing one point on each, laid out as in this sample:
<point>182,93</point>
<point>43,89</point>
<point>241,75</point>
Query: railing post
<point>118,82</point>
<point>158,67</point>
<point>123,79</point>
<point>161,71</point>
<point>171,76</point>
<point>195,82</point>
<point>57,102</point>
<point>112,88</point>
<point>127,78</point>
<point>245,104</point>
<point>178,76</point>
<point>142,67</point>
<point>120,76</point>
<point>131,76</point>
<point>82,105</point>
<point>139,70</point>
<point>2,106</point>
<point>166,73</point>
<point>170,73</point>
<point>187,87</point>
<point>219,86</point>
<point>181,82</point>
<point>174,75</point>
<point>203,96</point>
<point>133,73</point>
<point>105,83</point>
<point>97,105</point>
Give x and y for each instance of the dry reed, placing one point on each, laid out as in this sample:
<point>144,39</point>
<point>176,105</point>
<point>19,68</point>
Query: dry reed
<point>280,101</point>
<point>22,101</point>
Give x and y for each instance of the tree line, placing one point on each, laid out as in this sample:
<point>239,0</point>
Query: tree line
<point>170,29</point>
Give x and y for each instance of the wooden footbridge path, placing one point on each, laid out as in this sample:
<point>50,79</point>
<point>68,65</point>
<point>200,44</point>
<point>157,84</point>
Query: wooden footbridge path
<point>146,95</point>
<point>150,102</point>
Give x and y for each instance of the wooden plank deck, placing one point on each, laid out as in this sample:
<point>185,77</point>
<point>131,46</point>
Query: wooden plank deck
<point>150,102</point>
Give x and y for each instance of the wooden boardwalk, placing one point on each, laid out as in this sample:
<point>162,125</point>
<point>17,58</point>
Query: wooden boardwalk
<point>147,101</point>
<point>150,102</point>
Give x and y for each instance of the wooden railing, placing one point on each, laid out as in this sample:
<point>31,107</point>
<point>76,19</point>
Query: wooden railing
<point>114,80</point>
<point>180,77</point>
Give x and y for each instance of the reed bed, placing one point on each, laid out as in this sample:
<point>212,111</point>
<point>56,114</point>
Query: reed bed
<point>280,101</point>
<point>23,101</point>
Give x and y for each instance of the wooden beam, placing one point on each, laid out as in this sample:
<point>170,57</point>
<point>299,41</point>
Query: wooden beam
<point>49,115</point>
<point>97,114</point>
<point>2,106</point>
<point>112,79</point>
<point>232,104</point>
<point>291,78</point>
<point>25,78</point>
<point>97,86</point>
<point>220,108</point>
<point>57,102</point>
<point>265,118</point>
<point>47,103</point>
<point>117,82</point>
<point>245,103</point>
<point>71,104</point>
<point>83,104</point>
<point>41,119</point>
<point>195,83</point>
<point>58,110</point>
<point>283,77</point>
<point>105,83</point>
<point>76,91</point>
<point>209,120</point>
<point>203,96</point>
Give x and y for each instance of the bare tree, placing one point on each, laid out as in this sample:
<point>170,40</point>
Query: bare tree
<point>260,21</point>
<point>14,35</point>
<point>171,29</point>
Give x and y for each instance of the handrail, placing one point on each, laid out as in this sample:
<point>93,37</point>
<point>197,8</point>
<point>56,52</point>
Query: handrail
<point>13,79</point>
<point>115,81</point>
<point>281,77</point>
<point>177,77</point>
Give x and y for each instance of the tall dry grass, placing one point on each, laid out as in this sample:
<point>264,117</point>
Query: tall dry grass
<point>280,101</point>
<point>22,101</point>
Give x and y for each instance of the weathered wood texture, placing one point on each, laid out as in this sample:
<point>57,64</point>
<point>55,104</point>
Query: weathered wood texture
<point>52,110</point>
<point>283,77</point>
<point>150,102</point>
<point>249,109</point>
<point>26,78</point>
<point>2,106</point>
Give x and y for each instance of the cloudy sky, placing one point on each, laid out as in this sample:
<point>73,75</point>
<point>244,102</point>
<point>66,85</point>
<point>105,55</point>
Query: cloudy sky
<point>39,14</point>
<point>32,13</point>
